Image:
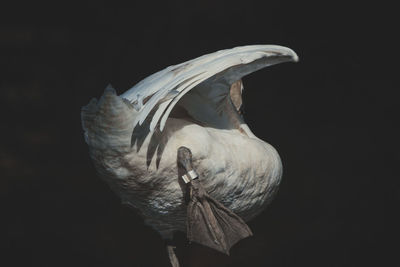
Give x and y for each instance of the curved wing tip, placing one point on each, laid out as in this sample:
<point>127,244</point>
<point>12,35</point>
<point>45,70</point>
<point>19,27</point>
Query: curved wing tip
<point>295,57</point>
<point>284,51</point>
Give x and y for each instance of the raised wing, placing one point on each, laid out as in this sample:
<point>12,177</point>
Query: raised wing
<point>211,74</point>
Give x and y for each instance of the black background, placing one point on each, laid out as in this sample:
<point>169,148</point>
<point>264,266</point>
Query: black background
<point>332,117</point>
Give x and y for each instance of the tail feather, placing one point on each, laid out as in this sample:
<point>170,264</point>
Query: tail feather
<point>108,123</point>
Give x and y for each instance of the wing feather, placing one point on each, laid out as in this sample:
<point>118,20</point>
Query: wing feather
<point>225,66</point>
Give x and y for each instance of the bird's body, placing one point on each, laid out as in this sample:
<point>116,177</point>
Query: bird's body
<point>134,141</point>
<point>243,180</point>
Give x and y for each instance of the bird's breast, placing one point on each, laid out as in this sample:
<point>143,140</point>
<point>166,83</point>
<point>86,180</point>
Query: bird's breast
<point>241,172</point>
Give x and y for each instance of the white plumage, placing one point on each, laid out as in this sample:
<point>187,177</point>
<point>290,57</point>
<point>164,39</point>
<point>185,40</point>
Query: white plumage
<point>134,138</point>
<point>224,67</point>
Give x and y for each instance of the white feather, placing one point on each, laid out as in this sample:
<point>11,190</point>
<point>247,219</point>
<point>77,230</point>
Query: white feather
<point>225,66</point>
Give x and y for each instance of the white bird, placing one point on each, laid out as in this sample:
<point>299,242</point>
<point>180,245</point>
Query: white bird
<point>176,148</point>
